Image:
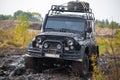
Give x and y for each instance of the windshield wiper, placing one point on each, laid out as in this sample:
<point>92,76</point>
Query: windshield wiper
<point>62,30</point>
<point>58,29</point>
<point>50,29</point>
<point>68,30</point>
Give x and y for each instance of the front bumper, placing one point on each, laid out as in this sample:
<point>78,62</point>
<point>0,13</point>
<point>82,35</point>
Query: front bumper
<point>37,52</point>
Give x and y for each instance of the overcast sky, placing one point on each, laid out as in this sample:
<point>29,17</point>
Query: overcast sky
<point>103,9</point>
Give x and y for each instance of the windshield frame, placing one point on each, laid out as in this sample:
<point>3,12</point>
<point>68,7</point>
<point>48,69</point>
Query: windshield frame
<point>44,26</point>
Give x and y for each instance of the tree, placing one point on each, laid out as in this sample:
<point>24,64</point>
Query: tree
<point>114,25</point>
<point>34,17</point>
<point>21,31</point>
<point>106,22</point>
<point>6,17</point>
<point>2,17</point>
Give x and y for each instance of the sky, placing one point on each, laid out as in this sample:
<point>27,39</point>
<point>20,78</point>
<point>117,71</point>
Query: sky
<point>102,9</point>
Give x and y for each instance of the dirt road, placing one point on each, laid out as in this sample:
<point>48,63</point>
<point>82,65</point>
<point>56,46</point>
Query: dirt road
<point>12,68</point>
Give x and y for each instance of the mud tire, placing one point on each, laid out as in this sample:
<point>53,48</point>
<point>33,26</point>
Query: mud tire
<point>33,64</point>
<point>81,68</point>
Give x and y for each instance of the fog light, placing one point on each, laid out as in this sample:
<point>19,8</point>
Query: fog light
<point>37,45</point>
<point>59,46</point>
<point>40,46</point>
<point>45,45</point>
<point>71,47</point>
<point>67,48</point>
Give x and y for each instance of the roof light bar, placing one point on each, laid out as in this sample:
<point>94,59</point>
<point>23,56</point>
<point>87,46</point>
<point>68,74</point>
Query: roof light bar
<point>57,8</point>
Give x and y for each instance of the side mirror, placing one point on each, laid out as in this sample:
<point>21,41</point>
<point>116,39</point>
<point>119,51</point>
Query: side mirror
<point>40,26</point>
<point>89,30</point>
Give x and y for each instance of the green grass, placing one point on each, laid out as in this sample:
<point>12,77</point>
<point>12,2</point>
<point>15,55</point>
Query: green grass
<point>105,44</point>
<point>7,39</point>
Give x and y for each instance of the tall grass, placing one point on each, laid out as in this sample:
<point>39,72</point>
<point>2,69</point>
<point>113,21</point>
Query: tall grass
<point>110,47</point>
<point>19,37</point>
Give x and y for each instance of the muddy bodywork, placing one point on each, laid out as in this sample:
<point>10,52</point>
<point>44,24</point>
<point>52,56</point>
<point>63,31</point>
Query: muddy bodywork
<point>65,39</point>
<point>55,39</point>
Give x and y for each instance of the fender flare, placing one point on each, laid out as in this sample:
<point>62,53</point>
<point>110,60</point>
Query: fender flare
<point>83,51</point>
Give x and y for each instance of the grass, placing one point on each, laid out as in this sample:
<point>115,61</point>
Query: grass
<point>9,46</point>
<point>105,44</point>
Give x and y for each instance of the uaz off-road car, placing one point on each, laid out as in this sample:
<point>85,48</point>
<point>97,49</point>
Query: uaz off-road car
<point>67,38</point>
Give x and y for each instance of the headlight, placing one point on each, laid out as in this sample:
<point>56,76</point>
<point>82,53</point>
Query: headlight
<point>37,45</point>
<point>59,46</point>
<point>46,45</point>
<point>39,40</point>
<point>78,38</point>
<point>33,39</point>
<point>70,42</point>
<point>72,47</point>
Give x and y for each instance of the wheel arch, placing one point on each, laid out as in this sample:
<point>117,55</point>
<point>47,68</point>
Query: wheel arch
<point>95,50</point>
<point>87,50</point>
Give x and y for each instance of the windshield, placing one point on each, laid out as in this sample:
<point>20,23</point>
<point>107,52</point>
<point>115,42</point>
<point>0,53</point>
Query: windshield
<point>65,24</point>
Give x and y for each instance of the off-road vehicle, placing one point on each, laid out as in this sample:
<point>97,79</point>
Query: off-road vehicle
<point>67,38</point>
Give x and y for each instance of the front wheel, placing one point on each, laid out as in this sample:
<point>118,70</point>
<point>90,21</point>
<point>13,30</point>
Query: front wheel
<point>85,65</point>
<point>81,68</point>
<point>33,64</point>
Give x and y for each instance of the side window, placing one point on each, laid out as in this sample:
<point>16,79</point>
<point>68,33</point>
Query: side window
<point>90,29</point>
<point>93,29</point>
<point>89,24</point>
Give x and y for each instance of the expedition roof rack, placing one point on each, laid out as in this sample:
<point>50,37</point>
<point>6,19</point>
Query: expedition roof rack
<point>72,6</point>
<point>65,9</point>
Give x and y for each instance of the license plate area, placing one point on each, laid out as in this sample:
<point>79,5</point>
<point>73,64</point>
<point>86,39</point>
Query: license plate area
<point>52,55</point>
<point>53,51</point>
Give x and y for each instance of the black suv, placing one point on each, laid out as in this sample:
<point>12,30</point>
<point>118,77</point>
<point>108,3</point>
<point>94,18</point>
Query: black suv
<point>67,38</point>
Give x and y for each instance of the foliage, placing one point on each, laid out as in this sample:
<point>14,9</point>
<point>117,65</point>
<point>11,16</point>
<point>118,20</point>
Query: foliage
<point>117,34</point>
<point>110,69</point>
<point>114,25</point>
<point>6,36</point>
<point>33,17</point>
<point>21,31</point>
<point>30,16</point>
<point>97,74</point>
<point>103,44</point>
<point>19,37</point>
<point>6,17</point>
<point>106,23</point>
<point>110,47</point>
<point>102,24</point>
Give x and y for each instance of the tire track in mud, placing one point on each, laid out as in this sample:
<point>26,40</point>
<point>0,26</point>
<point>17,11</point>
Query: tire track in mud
<point>12,68</point>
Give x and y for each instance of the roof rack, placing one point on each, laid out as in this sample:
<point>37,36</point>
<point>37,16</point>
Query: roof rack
<point>73,6</point>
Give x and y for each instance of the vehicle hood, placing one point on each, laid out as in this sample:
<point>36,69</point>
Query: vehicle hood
<point>61,34</point>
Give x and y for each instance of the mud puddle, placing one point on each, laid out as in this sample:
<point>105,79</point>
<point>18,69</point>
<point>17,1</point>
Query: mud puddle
<point>12,68</point>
